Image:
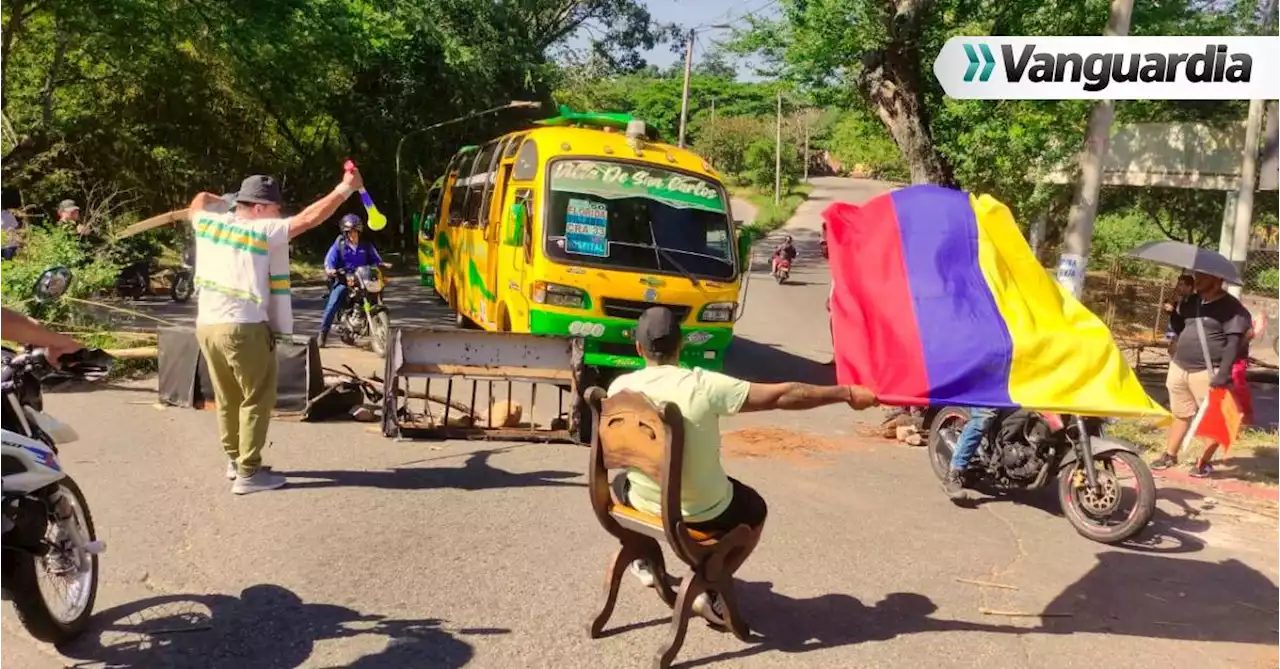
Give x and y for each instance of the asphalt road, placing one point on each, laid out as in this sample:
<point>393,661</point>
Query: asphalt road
<point>387,554</point>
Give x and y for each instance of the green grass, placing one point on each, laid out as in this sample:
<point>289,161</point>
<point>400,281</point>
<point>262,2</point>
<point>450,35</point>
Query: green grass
<point>770,216</point>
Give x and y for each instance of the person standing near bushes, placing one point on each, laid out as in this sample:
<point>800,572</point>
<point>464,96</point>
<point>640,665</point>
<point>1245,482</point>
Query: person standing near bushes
<point>234,266</point>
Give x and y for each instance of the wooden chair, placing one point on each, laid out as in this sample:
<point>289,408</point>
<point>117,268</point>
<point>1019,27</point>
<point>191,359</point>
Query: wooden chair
<point>632,432</point>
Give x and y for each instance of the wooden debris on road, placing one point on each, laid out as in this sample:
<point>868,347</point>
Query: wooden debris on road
<point>1022,614</point>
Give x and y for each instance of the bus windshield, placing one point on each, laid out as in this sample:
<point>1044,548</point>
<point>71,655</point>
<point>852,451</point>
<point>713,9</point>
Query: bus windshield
<point>637,217</point>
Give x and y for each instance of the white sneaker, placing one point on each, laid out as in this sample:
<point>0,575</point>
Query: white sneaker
<point>262,480</point>
<point>641,570</point>
<point>709,606</point>
<point>232,472</point>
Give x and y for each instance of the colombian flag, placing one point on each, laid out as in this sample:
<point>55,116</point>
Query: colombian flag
<point>937,299</point>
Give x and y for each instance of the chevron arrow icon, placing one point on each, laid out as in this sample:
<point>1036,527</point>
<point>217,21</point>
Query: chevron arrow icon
<point>988,62</point>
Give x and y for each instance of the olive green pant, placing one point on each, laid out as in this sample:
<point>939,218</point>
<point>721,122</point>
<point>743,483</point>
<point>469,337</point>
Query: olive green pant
<point>241,360</point>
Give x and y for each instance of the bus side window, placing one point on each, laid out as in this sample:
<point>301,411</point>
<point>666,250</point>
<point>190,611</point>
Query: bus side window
<point>479,180</point>
<point>491,186</point>
<point>526,162</point>
<point>457,188</point>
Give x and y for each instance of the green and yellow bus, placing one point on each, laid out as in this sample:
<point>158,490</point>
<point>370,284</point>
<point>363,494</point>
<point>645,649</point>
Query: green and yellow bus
<point>577,226</point>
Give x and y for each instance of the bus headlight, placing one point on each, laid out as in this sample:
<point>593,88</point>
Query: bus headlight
<point>558,295</point>
<point>718,312</point>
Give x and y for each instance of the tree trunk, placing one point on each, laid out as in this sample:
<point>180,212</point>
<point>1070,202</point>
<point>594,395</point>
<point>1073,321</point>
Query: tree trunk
<point>891,81</point>
<point>61,39</point>
<point>16,18</point>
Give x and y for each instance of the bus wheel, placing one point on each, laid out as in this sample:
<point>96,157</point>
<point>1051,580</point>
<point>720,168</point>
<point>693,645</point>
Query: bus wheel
<point>504,319</point>
<point>459,320</point>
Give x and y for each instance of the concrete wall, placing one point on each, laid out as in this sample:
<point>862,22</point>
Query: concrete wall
<point>1177,155</point>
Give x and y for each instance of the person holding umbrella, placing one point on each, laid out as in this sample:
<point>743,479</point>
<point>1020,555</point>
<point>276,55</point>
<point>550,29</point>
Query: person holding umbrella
<point>1215,325</point>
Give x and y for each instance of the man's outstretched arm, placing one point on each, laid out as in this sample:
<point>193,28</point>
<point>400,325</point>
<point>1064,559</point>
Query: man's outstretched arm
<point>797,396</point>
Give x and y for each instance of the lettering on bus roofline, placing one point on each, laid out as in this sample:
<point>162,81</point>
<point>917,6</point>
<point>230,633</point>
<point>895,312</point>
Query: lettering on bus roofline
<point>619,180</point>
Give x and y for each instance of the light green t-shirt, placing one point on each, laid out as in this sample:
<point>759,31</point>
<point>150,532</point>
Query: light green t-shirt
<point>703,397</point>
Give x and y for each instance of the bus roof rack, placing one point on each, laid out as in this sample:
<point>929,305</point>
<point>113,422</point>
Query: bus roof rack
<point>569,117</point>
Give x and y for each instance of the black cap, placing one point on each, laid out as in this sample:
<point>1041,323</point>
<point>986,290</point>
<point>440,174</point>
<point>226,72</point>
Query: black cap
<point>259,189</point>
<point>658,331</point>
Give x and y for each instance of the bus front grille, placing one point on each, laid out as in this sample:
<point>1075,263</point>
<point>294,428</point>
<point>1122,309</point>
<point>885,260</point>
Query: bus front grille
<point>632,309</point>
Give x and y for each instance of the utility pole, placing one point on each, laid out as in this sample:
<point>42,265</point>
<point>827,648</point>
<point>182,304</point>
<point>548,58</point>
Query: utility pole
<point>777,156</point>
<point>684,97</point>
<point>1243,220</point>
<point>1084,207</point>
<point>688,74</point>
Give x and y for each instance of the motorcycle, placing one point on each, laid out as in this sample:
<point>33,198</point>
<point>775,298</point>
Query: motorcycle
<point>781,269</point>
<point>50,567</point>
<point>1028,450</point>
<point>134,282</point>
<point>362,313</point>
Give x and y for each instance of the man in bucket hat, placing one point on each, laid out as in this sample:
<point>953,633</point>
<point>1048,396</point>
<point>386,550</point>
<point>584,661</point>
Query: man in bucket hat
<point>235,254</point>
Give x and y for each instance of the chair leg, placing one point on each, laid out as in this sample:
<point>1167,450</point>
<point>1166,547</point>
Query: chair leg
<point>662,582</point>
<point>680,620</point>
<point>612,579</point>
<point>732,614</point>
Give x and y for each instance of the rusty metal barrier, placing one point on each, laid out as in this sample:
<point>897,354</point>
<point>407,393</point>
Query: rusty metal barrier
<point>443,383</point>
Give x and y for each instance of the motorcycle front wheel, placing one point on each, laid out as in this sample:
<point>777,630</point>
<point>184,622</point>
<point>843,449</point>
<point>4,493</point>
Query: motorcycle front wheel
<point>379,332</point>
<point>1112,513</point>
<point>54,594</point>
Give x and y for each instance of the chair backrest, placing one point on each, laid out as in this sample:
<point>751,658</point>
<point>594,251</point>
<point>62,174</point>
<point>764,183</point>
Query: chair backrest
<point>633,434</point>
<point>631,431</point>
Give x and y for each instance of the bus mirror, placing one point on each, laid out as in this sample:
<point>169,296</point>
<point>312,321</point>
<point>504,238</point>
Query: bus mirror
<point>746,238</point>
<point>515,227</point>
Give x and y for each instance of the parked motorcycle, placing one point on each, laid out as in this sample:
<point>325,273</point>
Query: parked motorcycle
<point>363,314</point>
<point>1029,450</point>
<point>781,269</point>
<point>50,568</point>
<point>134,281</point>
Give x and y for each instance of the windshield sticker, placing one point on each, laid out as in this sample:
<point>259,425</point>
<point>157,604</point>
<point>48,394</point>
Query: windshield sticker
<point>616,180</point>
<point>586,228</point>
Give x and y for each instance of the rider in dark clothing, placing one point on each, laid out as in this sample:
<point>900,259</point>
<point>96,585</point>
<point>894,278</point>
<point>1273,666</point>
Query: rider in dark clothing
<point>786,250</point>
<point>347,253</point>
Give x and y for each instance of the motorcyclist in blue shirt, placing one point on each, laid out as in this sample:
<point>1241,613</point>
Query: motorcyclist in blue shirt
<point>347,253</point>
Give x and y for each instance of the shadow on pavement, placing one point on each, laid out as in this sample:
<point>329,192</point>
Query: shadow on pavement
<point>788,625</point>
<point>766,363</point>
<point>1170,533</point>
<point>268,626</point>
<point>475,474</point>
<point>1161,597</point>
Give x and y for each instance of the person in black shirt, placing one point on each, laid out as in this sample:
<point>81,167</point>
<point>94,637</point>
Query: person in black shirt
<point>1225,322</point>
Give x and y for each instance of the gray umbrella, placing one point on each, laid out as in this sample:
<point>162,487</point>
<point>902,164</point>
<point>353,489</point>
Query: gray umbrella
<point>1186,256</point>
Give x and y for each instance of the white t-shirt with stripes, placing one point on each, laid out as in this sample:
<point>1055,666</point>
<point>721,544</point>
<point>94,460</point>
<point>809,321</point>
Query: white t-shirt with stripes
<point>233,266</point>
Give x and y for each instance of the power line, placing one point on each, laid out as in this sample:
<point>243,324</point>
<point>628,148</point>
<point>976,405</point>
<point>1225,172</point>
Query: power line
<point>723,18</point>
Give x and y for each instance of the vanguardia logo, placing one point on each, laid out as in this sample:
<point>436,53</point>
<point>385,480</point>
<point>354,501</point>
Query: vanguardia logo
<point>1097,70</point>
<point>1124,68</point>
<point>988,62</point>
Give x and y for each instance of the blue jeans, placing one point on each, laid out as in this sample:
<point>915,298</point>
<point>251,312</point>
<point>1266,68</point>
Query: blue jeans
<point>336,295</point>
<point>971,436</point>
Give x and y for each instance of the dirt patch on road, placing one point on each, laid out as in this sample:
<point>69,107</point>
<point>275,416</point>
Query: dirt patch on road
<point>772,443</point>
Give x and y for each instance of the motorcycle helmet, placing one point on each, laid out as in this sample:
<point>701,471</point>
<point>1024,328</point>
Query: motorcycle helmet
<point>350,223</point>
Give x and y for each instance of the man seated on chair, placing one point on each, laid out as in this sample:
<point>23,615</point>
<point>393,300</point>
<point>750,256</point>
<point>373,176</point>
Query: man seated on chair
<point>711,502</point>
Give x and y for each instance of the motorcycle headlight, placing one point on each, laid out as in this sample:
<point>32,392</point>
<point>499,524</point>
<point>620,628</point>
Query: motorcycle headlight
<point>558,295</point>
<point>718,312</point>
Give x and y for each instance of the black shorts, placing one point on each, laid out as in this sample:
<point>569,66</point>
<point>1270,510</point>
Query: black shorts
<point>746,508</point>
